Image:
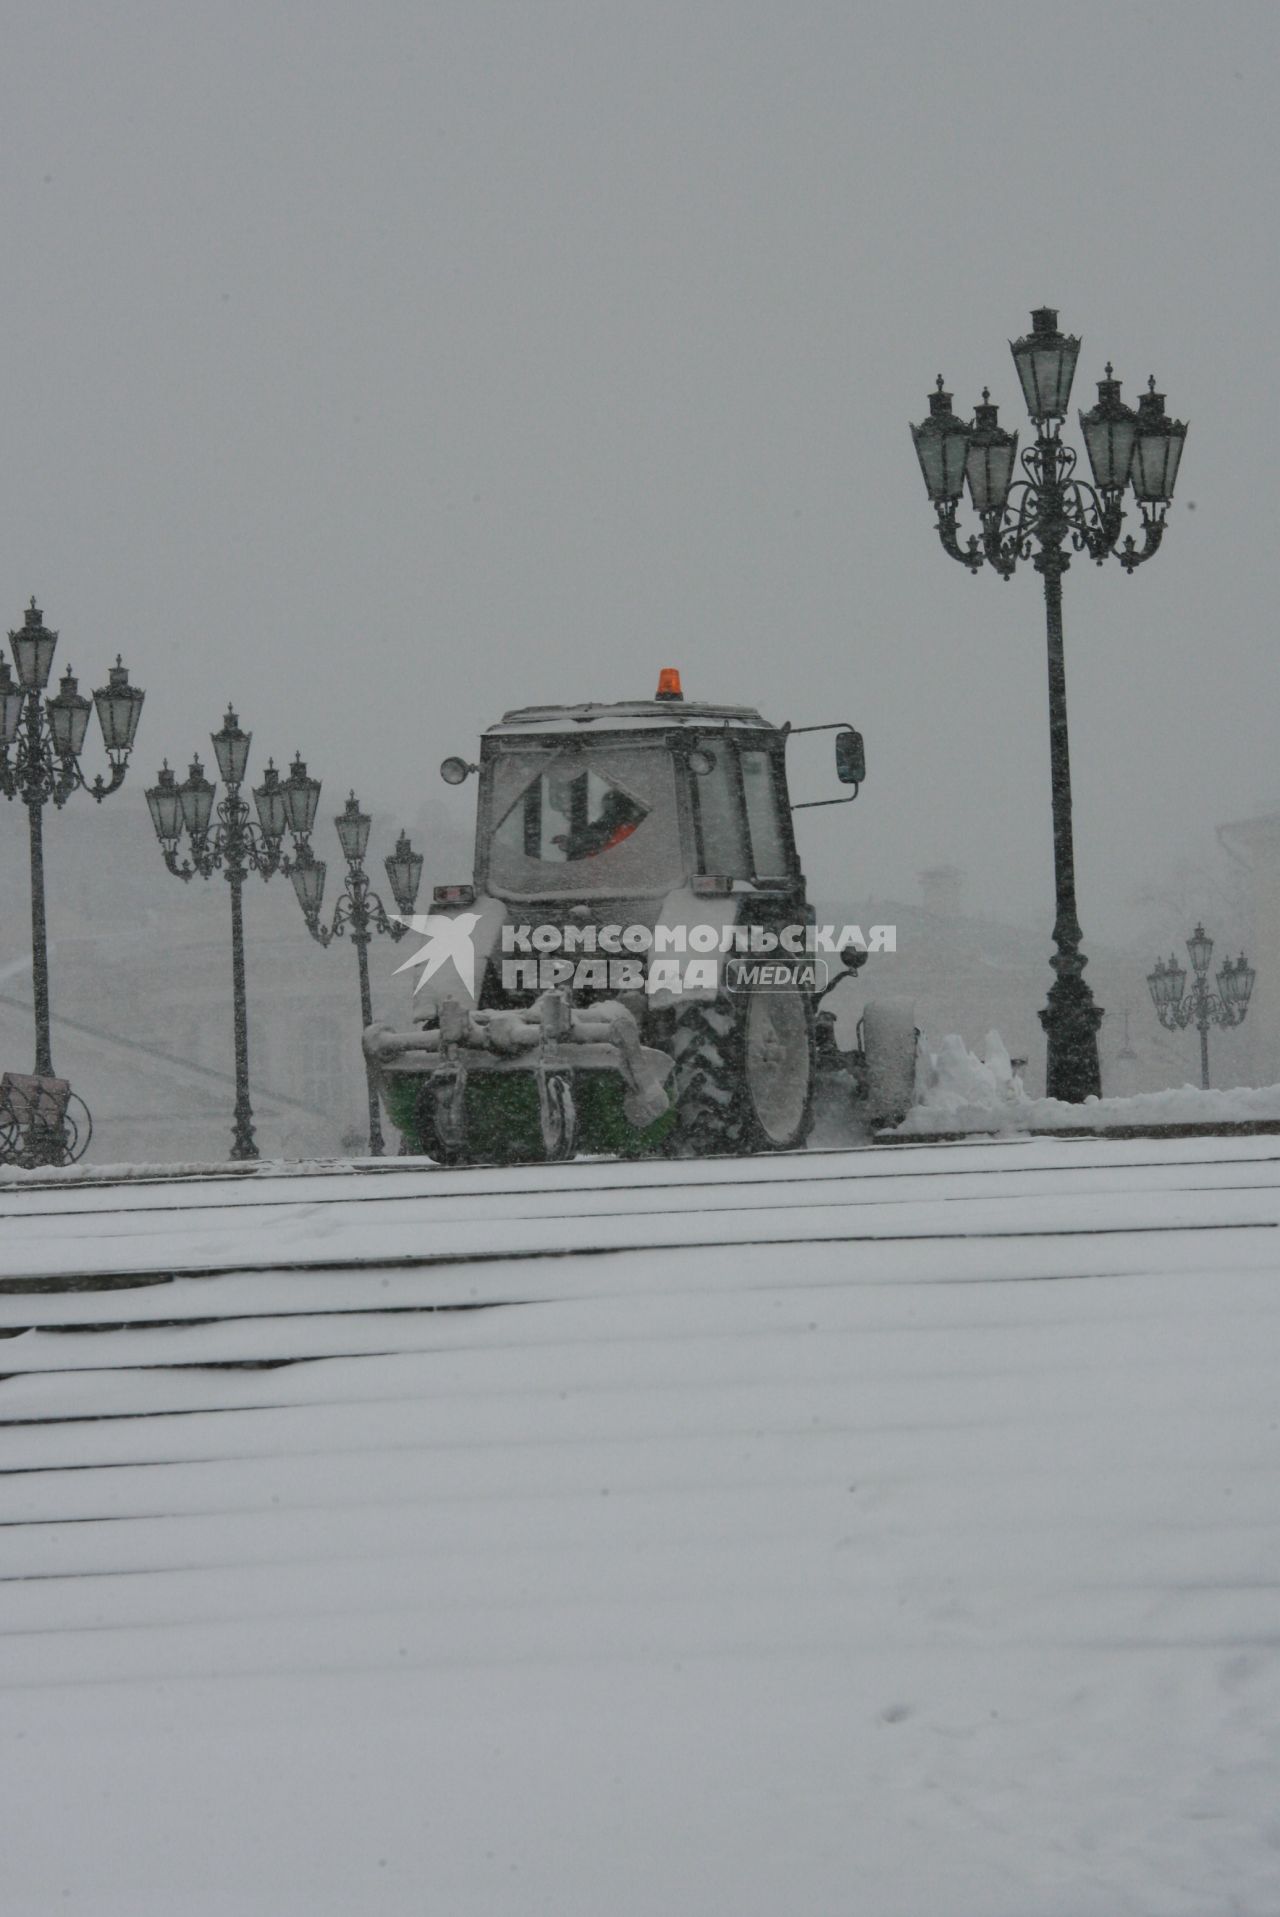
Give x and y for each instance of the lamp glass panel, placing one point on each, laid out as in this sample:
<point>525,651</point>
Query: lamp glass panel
<point>942,456</point>
<point>12,700</point>
<point>955,447</point>
<point>1046,371</point>
<point>68,718</point>
<point>1109,443</point>
<point>989,470</point>
<point>308,883</point>
<point>165,808</point>
<point>1177,440</point>
<point>195,795</point>
<point>269,800</point>
<point>929,453</point>
<point>33,650</point>
<point>1155,464</point>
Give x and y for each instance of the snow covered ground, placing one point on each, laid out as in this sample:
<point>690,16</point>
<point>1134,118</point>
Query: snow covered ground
<point>891,1531</point>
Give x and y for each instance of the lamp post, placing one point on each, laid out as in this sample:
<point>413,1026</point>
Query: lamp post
<point>1043,517</point>
<point>236,847</point>
<point>40,745</point>
<point>360,908</point>
<point>1203,1008</point>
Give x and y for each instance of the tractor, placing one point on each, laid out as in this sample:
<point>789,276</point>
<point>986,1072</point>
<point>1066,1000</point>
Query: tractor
<point>634,966</point>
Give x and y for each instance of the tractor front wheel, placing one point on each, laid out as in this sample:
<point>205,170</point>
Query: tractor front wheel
<point>779,1067</point>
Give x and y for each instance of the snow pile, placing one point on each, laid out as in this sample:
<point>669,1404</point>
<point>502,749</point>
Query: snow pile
<point>958,1092</point>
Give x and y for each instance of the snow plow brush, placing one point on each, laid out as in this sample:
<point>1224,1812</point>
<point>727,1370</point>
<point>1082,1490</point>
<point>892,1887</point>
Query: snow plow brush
<point>430,1075</point>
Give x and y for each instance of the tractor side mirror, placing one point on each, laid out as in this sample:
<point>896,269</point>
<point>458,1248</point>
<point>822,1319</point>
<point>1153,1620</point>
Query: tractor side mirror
<point>851,759</point>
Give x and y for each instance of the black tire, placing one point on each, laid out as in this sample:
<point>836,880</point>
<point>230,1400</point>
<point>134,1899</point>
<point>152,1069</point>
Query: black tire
<point>563,1144</point>
<point>723,1106</point>
<point>706,1084</point>
<point>429,1141</point>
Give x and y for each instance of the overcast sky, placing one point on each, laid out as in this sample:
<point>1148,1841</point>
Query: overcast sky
<point>382,367</point>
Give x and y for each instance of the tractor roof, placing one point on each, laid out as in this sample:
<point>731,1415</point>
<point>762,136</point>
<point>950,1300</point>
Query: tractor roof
<point>626,715</point>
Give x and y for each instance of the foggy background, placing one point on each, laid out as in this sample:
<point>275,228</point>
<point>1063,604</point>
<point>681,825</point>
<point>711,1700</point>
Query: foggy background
<point>382,368</point>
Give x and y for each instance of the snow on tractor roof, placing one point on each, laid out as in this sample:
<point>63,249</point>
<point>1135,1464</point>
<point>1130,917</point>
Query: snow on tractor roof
<point>626,715</point>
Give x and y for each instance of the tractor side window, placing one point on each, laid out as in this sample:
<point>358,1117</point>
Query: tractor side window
<point>764,820</point>
<point>720,836</point>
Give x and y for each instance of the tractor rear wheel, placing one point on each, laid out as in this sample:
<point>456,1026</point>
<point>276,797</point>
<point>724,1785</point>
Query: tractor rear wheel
<point>706,1084</point>
<point>744,1074</point>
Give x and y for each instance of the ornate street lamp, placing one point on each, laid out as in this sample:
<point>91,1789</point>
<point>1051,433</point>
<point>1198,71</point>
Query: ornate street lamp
<point>1041,517</point>
<point>41,740</point>
<point>361,909</point>
<point>236,847</point>
<point>1203,1008</point>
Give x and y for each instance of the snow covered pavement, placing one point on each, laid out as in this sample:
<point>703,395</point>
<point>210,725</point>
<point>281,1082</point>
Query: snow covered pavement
<point>893,1531</point>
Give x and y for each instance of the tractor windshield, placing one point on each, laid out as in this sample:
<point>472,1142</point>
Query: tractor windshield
<point>592,819</point>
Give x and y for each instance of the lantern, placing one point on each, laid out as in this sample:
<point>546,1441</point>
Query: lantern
<point>1110,428</point>
<point>119,708</point>
<point>33,649</point>
<point>269,799</point>
<point>165,807</point>
<point>301,797</point>
<point>1200,950</point>
<point>308,882</point>
<point>988,465</point>
<point>231,747</point>
<point>353,831</point>
<point>941,443</point>
<point>404,874</point>
<point>1235,984</point>
<point>68,717</point>
<point>1046,363</point>
<point>195,795</point>
<point>1158,448</point>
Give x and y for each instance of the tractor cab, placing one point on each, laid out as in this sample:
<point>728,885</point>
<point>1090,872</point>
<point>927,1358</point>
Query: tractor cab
<point>632,801</point>
<point>636,799</point>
